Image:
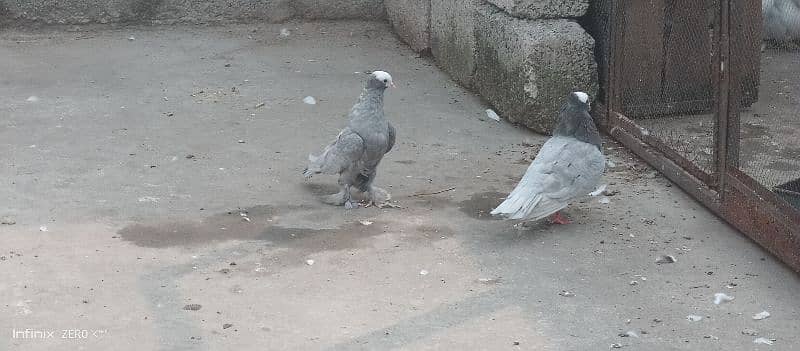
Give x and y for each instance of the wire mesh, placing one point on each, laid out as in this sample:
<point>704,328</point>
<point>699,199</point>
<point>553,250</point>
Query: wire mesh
<point>668,78</point>
<point>770,128</point>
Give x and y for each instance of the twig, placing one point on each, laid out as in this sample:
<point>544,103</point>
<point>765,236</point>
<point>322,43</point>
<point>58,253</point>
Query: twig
<point>435,192</point>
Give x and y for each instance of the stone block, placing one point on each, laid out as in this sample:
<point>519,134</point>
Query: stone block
<point>411,20</point>
<point>541,9</point>
<point>527,67</point>
<point>453,37</point>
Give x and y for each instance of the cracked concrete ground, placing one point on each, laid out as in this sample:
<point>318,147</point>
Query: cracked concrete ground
<point>146,179</point>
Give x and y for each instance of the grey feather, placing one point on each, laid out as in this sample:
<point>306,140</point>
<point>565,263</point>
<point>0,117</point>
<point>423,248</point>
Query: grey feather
<point>360,147</point>
<point>568,166</point>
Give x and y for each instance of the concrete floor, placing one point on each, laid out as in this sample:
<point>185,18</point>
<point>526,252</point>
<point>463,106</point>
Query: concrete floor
<point>139,157</point>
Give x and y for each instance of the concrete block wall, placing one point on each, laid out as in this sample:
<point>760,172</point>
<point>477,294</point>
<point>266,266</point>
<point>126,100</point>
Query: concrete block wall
<point>190,11</point>
<point>522,56</point>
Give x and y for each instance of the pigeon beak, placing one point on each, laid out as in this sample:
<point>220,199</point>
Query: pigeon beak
<point>391,84</point>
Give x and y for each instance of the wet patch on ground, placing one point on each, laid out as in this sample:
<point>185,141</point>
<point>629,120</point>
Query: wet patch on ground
<point>245,224</point>
<point>481,204</point>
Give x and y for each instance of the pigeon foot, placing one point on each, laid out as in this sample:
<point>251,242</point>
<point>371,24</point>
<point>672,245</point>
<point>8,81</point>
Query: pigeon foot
<point>558,218</point>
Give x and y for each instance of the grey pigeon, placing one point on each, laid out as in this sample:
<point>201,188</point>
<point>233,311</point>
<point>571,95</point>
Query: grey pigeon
<point>568,166</point>
<point>359,148</point>
<point>781,20</point>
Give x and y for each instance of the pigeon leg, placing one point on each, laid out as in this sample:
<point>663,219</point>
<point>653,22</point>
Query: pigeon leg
<point>560,219</point>
<point>348,201</point>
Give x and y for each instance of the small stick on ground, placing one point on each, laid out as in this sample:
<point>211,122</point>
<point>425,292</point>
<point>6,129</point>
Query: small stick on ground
<point>435,192</point>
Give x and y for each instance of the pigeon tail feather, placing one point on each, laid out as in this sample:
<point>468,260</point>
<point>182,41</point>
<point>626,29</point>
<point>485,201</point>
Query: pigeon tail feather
<point>517,205</point>
<point>520,205</point>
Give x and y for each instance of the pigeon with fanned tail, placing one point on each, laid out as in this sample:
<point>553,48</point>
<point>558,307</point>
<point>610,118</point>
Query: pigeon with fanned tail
<point>359,147</point>
<point>568,166</point>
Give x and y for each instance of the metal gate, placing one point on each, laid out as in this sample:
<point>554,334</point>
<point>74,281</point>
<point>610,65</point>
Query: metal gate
<point>688,88</point>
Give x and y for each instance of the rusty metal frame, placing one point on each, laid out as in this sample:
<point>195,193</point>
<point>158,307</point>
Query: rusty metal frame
<point>727,191</point>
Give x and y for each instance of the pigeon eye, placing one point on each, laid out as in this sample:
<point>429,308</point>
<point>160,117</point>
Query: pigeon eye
<point>385,80</point>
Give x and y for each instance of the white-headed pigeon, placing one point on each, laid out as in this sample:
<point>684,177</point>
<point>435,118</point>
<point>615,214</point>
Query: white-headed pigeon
<point>568,166</point>
<point>359,147</point>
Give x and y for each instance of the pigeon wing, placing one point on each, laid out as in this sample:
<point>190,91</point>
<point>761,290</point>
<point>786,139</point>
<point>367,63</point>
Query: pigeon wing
<point>564,169</point>
<point>338,156</point>
<point>390,139</point>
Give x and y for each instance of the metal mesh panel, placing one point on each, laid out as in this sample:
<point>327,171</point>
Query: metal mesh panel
<point>769,129</point>
<point>667,79</point>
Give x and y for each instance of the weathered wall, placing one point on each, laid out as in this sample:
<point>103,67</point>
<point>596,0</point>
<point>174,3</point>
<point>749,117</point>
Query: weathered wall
<point>542,9</point>
<point>526,68</point>
<point>411,20</point>
<point>453,37</point>
<point>523,56</point>
<point>109,11</point>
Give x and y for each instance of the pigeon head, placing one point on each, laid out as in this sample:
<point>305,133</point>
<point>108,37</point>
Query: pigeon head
<point>579,98</point>
<point>575,121</point>
<point>379,80</point>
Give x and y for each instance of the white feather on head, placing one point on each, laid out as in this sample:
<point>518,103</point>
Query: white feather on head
<point>582,96</point>
<point>382,76</point>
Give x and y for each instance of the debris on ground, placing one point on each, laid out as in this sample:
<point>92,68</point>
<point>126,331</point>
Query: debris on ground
<point>761,315</point>
<point>666,259</point>
<point>131,38</point>
<point>32,99</point>
<point>493,115</point>
<point>751,332</point>
<point>435,192</point>
<point>633,282</point>
<point>260,105</point>
<point>226,325</point>
<point>694,318</point>
<point>423,272</point>
<point>629,333</point>
<point>764,341</point>
<point>8,220</point>
<point>722,297</point>
<point>285,32</point>
<point>310,100</point>
<point>566,293</point>
<point>192,307</point>
<point>489,281</point>
<point>240,141</point>
<point>604,200</point>
<point>600,189</point>
<point>43,228</point>
<point>310,262</point>
<point>365,223</point>
<point>616,346</point>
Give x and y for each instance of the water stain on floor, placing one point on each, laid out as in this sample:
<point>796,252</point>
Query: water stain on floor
<point>247,224</point>
<point>481,204</point>
<point>259,224</point>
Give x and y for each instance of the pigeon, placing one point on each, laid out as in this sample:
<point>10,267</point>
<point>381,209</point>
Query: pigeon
<point>568,166</point>
<point>359,147</point>
<point>781,21</point>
